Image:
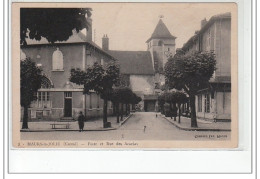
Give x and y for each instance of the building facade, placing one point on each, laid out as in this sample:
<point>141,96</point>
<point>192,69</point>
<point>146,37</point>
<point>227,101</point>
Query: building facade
<point>143,70</point>
<point>58,98</point>
<point>215,35</point>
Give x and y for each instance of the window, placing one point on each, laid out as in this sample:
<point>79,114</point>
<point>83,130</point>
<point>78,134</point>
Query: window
<point>68,94</point>
<point>46,82</point>
<point>42,99</point>
<point>207,103</point>
<point>102,61</point>
<point>90,101</point>
<point>57,60</point>
<point>199,103</point>
<point>209,40</point>
<point>160,43</point>
<point>47,96</point>
<point>98,99</point>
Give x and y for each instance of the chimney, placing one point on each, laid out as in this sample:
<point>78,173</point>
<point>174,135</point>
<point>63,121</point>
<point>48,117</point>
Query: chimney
<point>203,22</point>
<point>105,43</point>
<point>89,31</point>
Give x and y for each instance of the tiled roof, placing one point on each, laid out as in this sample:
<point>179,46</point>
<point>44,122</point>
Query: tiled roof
<point>75,38</point>
<point>134,62</point>
<point>161,32</point>
<point>158,65</point>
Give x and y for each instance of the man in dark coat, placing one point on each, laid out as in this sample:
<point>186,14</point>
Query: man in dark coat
<point>81,120</point>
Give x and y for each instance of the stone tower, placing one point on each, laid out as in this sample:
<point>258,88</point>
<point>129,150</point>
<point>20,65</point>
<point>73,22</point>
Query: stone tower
<point>161,45</point>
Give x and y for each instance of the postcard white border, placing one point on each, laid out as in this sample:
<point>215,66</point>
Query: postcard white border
<point>154,161</point>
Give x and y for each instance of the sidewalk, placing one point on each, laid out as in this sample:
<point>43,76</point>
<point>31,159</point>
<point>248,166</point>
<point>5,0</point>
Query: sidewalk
<point>202,124</point>
<point>91,125</point>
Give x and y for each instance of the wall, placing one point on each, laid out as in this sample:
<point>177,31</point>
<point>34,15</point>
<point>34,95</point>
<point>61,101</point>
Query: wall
<point>92,56</point>
<point>72,58</point>
<point>144,83</point>
<point>94,106</point>
<point>223,47</point>
<point>220,106</point>
<point>160,50</point>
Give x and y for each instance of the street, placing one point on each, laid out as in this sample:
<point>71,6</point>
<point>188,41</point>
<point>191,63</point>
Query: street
<point>140,126</point>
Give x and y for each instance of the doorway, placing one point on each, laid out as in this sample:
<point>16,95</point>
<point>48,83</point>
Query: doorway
<point>149,105</point>
<point>68,104</point>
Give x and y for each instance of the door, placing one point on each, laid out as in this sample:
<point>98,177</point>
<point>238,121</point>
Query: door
<point>68,104</point>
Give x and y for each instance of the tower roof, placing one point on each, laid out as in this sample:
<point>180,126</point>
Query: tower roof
<point>161,32</point>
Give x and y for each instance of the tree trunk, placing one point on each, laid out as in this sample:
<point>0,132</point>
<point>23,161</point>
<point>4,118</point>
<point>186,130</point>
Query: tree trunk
<point>25,117</point>
<point>171,110</point>
<point>117,113</point>
<point>179,106</point>
<point>193,111</point>
<point>126,109</point>
<point>105,113</point>
<point>122,111</point>
<point>114,108</point>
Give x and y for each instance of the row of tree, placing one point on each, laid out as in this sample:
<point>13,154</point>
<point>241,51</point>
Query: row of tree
<point>168,100</point>
<point>190,73</point>
<point>123,96</point>
<point>104,80</point>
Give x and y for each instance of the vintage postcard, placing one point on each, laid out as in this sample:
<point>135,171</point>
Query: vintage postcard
<point>124,75</point>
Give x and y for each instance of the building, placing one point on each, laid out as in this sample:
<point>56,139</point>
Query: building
<point>215,35</point>
<point>58,97</point>
<point>143,70</point>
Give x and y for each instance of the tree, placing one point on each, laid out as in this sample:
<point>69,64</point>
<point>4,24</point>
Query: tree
<point>100,79</point>
<point>190,73</point>
<point>30,82</point>
<point>170,98</point>
<point>161,102</point>
<point>135,99</point>
<point>123,95</point>
<point>179,98</point>
<point>54,24</point>
<point>116,98</point>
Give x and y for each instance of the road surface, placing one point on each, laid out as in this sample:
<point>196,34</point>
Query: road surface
<point>140,126</point>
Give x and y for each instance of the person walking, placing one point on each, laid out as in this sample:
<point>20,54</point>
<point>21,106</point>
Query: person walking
<point>81,120</point>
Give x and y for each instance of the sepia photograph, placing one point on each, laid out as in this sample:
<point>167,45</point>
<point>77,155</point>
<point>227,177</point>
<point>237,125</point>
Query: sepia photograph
<point>124,75</point>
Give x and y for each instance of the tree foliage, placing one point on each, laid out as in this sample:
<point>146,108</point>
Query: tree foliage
<point>190,73</point>
<point>54,24</point>
<point>98,78</point>
<point>30,82</point>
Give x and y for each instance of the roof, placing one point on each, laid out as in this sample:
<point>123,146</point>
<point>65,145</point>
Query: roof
<point>74,39</point>
<point>193,39</point>
<point>134,62</point>
<point>161,32</point>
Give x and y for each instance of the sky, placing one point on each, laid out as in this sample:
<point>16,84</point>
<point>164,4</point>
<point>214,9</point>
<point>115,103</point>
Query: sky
<point>129,25</point>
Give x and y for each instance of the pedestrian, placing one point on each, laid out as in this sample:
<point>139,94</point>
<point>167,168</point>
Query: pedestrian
<point>81,119</point>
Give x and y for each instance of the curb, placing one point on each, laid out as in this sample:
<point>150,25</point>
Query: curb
<point>66,130</point>
<point>63,130</point>
<point>125,120</point>
<point>195,129</point>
